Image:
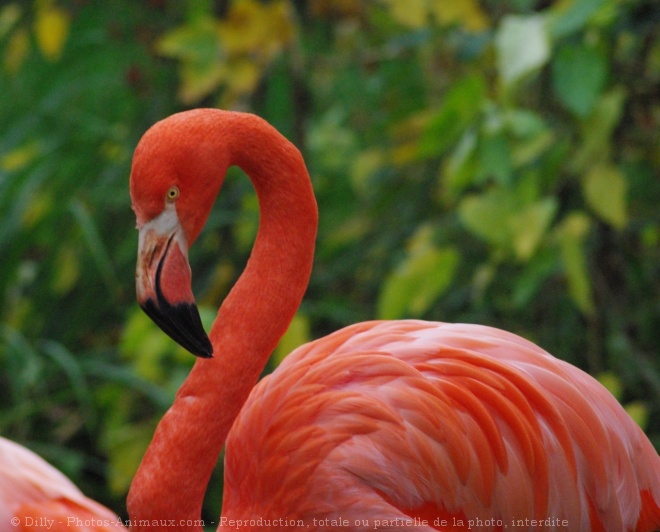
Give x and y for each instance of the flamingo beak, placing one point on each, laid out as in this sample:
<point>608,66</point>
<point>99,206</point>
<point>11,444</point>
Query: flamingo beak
<point>163,283</point>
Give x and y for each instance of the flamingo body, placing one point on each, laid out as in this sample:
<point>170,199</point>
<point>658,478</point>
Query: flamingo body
<point>452,427</point>
<point>34,496</point>
<point>384,421</point>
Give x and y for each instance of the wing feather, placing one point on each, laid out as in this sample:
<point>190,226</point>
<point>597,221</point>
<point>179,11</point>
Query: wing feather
<point>31,488</point>
<point>417,418</point>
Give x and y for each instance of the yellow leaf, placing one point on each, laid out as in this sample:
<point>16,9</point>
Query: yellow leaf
<point>282,26</point>
<point>146,346</point>
<point>296,335</point>
<point>639,412</point>
<point>37,209</point>
<point>9,15</point>
<point>405,153</point>
<point>412,13</point>
<point>67,270</point>
<point>200,79</point>
<point>408,133</point>
<point>244,77</point>
<point>604,188</point>
<point>114,151</point>
<point>231,53</point>
<point>51,28</point>
<point>364,166</point>
<point>612,383</point>
<point>571,235</point>
<point>19,157</point>
<point>466,12</point>
<point>597,130</point>
<point>258,28</point>
<point>17,50</point>
<point>650,236</point>
<point>197,45</point>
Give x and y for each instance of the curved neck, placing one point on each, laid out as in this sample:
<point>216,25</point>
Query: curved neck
<point>175,471</point>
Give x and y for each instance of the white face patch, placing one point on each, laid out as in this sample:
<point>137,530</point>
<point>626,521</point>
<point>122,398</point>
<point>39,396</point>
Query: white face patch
<point>165,223</point>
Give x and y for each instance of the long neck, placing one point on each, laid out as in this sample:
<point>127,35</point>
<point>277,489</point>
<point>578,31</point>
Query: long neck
<point>175,471</point>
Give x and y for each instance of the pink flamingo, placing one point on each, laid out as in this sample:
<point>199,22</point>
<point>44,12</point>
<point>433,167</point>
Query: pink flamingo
<point>34,496</point>
<point>387,425</point>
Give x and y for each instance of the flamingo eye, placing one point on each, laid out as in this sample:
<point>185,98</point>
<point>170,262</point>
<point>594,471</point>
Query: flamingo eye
<point>172,194</point>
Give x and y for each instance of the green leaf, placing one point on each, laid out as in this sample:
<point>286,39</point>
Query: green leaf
<point>572,16</point>
<point>578,77</point>
<point>507,219</point>
<point>612,382</point>
<point>523,123</point>
<point>526,151</point>
<point>604,188</point>
<point>66,360</point>
<point>522,46</point>
<point>536,271</point>
<point>196,41</point>
<point>365,165</point>
<point>92,238</point>
<point>495,157</point>
<point>530,224</point>
<point>460,107</point>
<point>331,141</point>
<point>486,215</point>
<point>419,280</point>
<point>460,166</point>
<point>197,45</point>
<point>126,445</point>
<point>597,130</point>
<point>247,223</point>
<point>531,135</point>
<point>571,235</point>
<point>146,345</point>
<point>639,412</point>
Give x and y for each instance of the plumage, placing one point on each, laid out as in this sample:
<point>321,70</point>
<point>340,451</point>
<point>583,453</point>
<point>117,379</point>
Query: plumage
<point>35,496</point>
<point>385,418</point>
<point>387,425</point>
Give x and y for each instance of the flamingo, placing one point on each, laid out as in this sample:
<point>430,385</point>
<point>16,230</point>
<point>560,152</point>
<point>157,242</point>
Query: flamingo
<point>384,425</point>
<point>35,496</point>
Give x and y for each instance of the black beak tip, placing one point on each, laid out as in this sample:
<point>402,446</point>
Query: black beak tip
<point>205,349</point>
<point>182,323</point>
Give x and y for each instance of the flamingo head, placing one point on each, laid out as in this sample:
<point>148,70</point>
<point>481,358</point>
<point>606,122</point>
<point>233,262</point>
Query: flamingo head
<point>175,177</point>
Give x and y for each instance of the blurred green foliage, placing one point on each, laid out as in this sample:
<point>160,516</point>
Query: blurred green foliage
<point>479,161</point>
